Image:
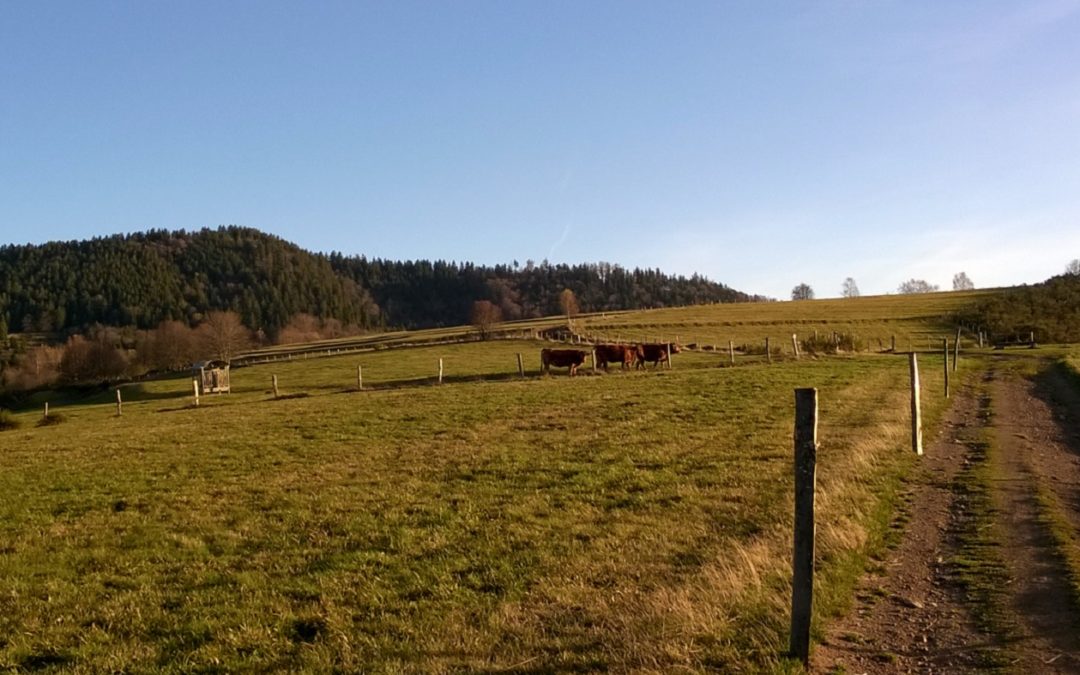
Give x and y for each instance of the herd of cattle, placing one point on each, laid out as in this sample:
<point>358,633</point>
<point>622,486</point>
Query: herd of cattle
<point>627,355</point>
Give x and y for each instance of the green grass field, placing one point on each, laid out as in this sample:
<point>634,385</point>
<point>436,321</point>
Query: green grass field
<point>624,522</point>
<point>912,319</point>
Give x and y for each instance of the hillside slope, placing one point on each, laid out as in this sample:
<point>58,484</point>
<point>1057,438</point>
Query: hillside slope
<point>142,279</point>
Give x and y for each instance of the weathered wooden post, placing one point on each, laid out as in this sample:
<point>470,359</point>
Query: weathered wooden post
<point>768,352</point>
<point>592,357</point>
<point>945,353</point>
<point>956,351</point>
<point>731,351</point>
<point>359,378</point>
<point>1031,340</point>
<point>795,345</point>
<point>273,382</point>
<point>119,403</point>
<point>195,390</point>
<point>46,410</point>
<point>667,350</point>
<point>440,370</point>
<point>802,586</point>
<point>521,365</point>
<point>916,407</point>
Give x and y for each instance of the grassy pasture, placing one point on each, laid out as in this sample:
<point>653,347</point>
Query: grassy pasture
<point>911,318</point>
<point>622,522</point>
<point>628,521</point>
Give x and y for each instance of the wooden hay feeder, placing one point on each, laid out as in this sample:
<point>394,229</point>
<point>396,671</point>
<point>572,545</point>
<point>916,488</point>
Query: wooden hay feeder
<point>213,376</point>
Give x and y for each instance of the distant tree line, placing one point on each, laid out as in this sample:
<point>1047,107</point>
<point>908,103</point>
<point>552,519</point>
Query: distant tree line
<point>421,293</point>
<point>106,354</point>
<point>143,279</point>
<point>125,305</point>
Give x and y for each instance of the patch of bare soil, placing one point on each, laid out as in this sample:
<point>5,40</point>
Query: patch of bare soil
<point>910,616</point>
<point>913,616</point>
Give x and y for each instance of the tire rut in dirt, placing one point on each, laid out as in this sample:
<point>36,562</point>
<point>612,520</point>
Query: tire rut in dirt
<point>1031,454</point>
<point>912,616</point>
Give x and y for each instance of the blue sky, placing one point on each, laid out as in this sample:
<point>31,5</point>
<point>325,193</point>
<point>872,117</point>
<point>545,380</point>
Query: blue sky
<point>762,144</point>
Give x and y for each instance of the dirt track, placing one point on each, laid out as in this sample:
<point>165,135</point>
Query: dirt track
<point>928,610</point>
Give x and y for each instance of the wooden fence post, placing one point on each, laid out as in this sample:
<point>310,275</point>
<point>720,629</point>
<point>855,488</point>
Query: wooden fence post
<point>956,351</point>
<point>359,378</point>
<point>46,410</point>
<point>521,365</point>
<point>731,351</point>
<point>802,591</point>
<point>795,345</point>
<point>667,349</point>
<point>945,353</point>
<point>119,403</point>
<point>273,382</point>
<point>916,407</point>
<point>195,390</point>
<point>592,356</point>
<point>440,371</point>
<point>768,352</point>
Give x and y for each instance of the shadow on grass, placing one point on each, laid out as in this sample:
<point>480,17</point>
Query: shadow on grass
<point>1059,387</point>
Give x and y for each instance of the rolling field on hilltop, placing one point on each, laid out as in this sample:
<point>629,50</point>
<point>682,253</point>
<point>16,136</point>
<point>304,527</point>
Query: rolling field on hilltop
<point>911,318</point>
<point>621,521</point>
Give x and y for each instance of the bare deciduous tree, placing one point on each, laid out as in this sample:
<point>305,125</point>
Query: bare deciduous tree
<point>301,328</point>
<point>1073,267</point>
<point>961,282</point>
<point>850,289</point>
<point>35,367</point>
<point>91,360</point>
<point>170,346</point>
<point>223,335</point>
<point>568,303</point>
<point>484,315</point>
<point>802,292</point>
<point>917,286</point>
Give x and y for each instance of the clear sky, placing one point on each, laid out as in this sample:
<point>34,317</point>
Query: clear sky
<point>762,144</point>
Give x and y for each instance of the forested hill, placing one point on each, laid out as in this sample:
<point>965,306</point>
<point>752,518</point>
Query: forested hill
<point>1050,309</point>
<point>421,293</point>
<point>143,279</point>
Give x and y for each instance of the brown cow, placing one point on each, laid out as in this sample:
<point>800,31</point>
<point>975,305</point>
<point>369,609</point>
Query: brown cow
<point>561,358</point>
<point>623,354</point>
<point>654,353</point>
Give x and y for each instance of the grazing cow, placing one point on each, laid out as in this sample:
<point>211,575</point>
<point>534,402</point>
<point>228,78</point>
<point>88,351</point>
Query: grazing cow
<point>623,354</point>
<point>561,358</point>
<point>654,353</point>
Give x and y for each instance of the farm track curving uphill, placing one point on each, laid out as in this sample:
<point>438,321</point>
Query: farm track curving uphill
<point>979,581</point>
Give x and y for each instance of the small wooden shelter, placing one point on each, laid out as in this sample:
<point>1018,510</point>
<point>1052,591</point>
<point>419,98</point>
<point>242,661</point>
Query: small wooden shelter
<point>213,376</point>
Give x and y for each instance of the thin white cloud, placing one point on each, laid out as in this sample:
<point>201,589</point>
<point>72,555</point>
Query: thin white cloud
<point>559,242</point>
